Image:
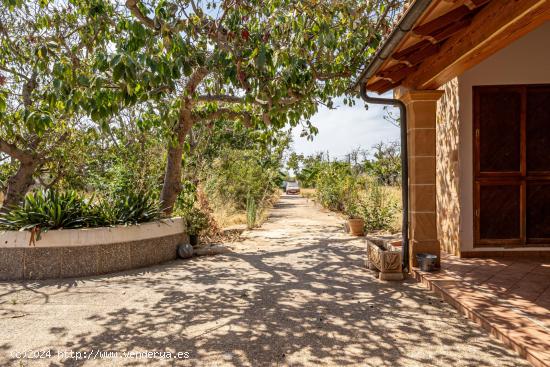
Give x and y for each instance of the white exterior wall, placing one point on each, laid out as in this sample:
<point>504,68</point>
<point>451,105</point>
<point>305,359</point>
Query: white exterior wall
<point>526,61</point>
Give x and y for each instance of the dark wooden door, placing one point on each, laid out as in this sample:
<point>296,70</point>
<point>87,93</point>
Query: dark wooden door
<point>512,165</point>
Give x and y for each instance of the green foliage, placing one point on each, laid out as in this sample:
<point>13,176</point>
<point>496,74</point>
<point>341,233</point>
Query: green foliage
<point>293,162</point>
<point>350,196</point>
<point>95,93</point>
<point>331,184</point>
<point>7,169</point>
<point>114,163</point>
<point>46,75</point>
<point>197,221</point>
<point>344,188</point>
<point>131,208</point>
<point>236,50</point>
<point>240,175</point>
<point>250,212</point>
<point>186,199</point>
<point>51,209</point>
<point>376,208</point>
<point>386,164</point>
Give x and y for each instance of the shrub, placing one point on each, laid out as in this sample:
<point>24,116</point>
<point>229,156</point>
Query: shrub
<point>359,196</point>
<point>376,208</point>
<point>239,175</point>
<point>331,182</point>
<point>197,220</point>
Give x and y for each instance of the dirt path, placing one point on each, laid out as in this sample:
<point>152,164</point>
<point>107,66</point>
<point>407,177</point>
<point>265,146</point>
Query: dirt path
<point>293,293</point>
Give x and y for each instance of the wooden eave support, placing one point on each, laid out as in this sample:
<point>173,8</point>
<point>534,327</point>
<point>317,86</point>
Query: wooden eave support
<point>417,55</point>
<point>396,73</point>
<point>382,85</point>
<point>496,25</point>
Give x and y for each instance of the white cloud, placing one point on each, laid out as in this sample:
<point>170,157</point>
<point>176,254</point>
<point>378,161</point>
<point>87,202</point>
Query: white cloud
<point>346,128</point>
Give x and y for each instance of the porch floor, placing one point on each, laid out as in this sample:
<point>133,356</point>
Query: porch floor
<point>507,297</point>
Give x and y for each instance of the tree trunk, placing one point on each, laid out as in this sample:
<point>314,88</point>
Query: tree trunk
<point>19,183</point>
<point>171,187</point>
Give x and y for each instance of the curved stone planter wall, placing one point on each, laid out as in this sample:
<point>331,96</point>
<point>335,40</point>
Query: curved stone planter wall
<point>83,252</point>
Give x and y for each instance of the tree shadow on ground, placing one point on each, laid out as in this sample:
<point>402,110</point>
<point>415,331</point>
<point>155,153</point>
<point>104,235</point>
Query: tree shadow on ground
<point>304,300</point>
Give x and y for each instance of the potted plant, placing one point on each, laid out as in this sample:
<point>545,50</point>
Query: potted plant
<point>356,224</point>
<point>351,202</point>
<point>196,221</point>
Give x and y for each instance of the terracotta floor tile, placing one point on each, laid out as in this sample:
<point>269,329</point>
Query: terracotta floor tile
<point>544,299</point>
<point>531,286</point>
<point>542,269</point>
<point>513,296</point>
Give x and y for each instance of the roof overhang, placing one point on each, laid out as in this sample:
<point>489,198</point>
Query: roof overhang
<point>437,40</point>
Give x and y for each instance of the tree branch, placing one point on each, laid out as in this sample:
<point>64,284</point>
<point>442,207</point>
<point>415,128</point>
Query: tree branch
<point>13,151</point>
<point>132,5</point>
<point>14,72</point>
<point>220,98</point>
<point>195,79</point>
<point>244,116</point>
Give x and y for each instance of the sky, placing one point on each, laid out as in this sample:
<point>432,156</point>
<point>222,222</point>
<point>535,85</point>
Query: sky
<point>345,128</point>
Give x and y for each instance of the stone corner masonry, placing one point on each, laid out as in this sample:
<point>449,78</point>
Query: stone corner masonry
<point>421,135</point>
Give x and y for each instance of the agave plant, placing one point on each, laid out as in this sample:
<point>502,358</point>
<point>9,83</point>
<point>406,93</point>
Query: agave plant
<point>130,208</point>
<point>48,209</point>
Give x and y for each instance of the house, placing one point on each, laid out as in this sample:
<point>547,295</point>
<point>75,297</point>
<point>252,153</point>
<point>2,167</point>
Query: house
<point>474,76</point>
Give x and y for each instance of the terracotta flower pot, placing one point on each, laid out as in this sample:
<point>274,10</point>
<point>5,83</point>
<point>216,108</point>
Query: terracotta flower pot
<point>356,227</point>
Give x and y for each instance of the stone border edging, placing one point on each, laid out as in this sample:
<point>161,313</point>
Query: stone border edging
<point>87,252</point>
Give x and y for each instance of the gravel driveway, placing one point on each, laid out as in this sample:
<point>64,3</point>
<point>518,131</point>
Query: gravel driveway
<point>293,292</point>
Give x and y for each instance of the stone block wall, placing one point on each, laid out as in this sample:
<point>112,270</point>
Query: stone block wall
<point>447,168</point>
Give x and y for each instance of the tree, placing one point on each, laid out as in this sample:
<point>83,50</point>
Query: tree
<point>264,63</point>
<point>44,65</point>
<point>311,165</point>
<point>386,165</point>
<point>293,162</point>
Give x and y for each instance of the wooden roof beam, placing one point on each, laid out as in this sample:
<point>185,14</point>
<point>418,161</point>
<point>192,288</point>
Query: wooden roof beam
<point>396,73</point>
<point>415,56</point>
<point>380,86</point>
<point>435,37</point>
<point>445,33</point>
<point>402,55</point>
<point>442,21</point>
<point>472,4</point>
<point>496,25</point>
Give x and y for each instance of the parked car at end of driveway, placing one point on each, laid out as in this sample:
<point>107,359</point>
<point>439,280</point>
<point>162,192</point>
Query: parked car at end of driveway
<point>292,188</point>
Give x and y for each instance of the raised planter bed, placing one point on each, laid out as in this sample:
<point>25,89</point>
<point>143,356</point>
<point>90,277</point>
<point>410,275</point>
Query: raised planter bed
<point>84,252</point>
<point>384,255</point>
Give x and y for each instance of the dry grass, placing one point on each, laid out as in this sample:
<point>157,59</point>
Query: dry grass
<point>308,193</point>
<point>392,193</point>
<point>227,216</point>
